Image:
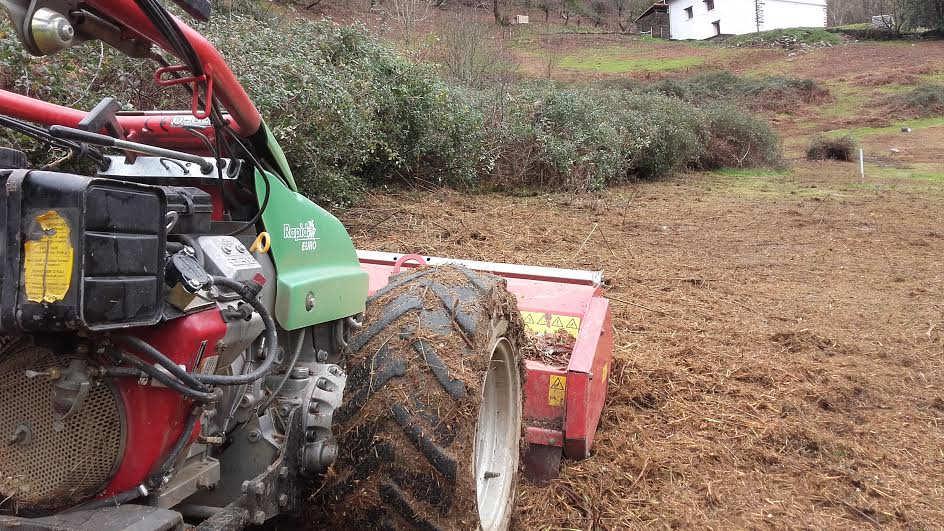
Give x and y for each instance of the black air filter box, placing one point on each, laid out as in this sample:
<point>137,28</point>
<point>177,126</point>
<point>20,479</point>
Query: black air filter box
<point>80,253</point>
<point>193,206</point>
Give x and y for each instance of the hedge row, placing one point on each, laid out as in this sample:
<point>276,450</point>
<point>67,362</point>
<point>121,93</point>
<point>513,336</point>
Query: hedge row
<point>352,113</point>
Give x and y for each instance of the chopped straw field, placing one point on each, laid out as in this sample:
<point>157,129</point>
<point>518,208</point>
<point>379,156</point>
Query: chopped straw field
<point>779,355</point>
<point>780,343</point>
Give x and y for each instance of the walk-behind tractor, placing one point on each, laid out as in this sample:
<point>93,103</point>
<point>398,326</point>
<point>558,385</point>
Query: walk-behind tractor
<point>185,338</point>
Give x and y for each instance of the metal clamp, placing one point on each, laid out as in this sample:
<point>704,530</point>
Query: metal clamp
<point>198,113</point>
<point>419,260</point>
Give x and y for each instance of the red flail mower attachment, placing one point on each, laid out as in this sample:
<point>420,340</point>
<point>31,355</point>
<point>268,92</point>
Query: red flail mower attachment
<point>569,321</point>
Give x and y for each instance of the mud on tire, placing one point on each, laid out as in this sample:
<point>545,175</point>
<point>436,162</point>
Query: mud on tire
<point>416,385</point>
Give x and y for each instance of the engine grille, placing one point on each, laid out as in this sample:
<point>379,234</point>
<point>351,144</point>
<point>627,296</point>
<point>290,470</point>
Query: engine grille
<point>53,469</point>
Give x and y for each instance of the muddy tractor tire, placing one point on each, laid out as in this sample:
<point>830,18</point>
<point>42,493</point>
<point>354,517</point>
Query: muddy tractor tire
<point>430,428</point>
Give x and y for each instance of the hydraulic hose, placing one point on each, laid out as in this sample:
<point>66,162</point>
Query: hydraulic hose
<point>271,337</point>
<point>146,348</point>
<point>288,373</point>
<point>120,372</point>
<point>155,478</point>
<point>175,247</point>
<point>191,242</point>
<point>168,380</point>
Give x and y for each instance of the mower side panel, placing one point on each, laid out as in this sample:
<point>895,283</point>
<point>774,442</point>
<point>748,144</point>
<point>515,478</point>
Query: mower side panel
<point>319,277</point>
<point>589,375</point>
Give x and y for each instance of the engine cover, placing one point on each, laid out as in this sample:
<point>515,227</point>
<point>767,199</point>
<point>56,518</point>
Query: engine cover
<point>79,253</point>
<point>45,464</point>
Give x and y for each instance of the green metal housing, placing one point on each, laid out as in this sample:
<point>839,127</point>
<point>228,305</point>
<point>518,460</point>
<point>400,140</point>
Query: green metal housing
<point>319,277</point>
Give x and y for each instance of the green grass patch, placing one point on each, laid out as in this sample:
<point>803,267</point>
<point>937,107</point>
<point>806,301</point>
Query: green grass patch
<point>755,185</point>
<point>860,133</point>
<point>847,100</point>
<point>922,171</point>
<point>752,172</point>
<point>609,63</point>
<point>894,89</point>
<point>810,36</point>
<point>935,78</point>
<point>860,26</point>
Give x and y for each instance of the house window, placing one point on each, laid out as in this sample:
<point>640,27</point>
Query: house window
<point>689,12</point>
<point>717,27</point>
<point>710,4</point>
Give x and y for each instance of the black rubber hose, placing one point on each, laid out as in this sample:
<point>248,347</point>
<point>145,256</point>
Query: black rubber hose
<point>146,348</point>
<point>120,372</point>
<point>155,478</point>
<point>168,380</point>
<point>271,337</point>
<point>288,373</point>
<point>192,243</point>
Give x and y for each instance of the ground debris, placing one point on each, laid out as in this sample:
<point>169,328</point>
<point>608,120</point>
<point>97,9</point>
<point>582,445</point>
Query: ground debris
<point>759,400</point>
<point>550,348</point>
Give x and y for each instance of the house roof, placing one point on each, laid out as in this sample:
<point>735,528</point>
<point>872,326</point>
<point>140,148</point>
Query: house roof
<point>658,7</point>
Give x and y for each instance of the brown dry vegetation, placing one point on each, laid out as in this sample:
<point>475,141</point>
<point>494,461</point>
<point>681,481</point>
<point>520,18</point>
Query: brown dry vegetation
<point>779,353</point>
<point>787,370</point>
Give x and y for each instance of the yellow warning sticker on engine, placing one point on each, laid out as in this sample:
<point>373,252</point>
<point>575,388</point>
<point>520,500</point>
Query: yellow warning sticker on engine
<point>556,390</point>
<point>544,323</point>
<point>48,261</point>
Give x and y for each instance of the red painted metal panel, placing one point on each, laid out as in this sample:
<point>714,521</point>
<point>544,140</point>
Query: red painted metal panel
<point>587,378</point>
<point>544,436</point>
<point>155,415</point>
<point>536,404</point>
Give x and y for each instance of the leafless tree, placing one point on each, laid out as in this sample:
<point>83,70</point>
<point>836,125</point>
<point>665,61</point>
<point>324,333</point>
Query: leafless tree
<point>409,13</point>
<point>471,56</point>
<point>464,43</point>
<point>895,13</point>
<point>500,19</point>
<point>841,12</point>
<point>546,6</point>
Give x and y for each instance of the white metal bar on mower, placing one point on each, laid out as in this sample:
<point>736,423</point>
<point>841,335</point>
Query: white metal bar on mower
<point>574,276</point>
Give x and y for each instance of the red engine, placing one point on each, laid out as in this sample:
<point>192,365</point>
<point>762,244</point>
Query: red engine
<point>155,416</point>
<point>72,437</point>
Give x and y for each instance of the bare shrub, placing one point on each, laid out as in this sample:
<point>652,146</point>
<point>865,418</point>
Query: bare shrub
<point>469,55</point>
<point>925,100</point>
<point>831,148</point>
<point>408,14</point>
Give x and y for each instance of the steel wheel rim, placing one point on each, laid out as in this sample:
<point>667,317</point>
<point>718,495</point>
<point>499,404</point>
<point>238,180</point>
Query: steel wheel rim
<point>497,436</point>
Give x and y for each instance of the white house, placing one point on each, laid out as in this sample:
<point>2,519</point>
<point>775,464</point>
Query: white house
<point>703,19</point>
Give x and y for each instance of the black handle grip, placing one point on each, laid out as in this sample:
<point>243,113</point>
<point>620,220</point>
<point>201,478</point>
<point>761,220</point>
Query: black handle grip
<point>78,135</point>
<point>198,9</point>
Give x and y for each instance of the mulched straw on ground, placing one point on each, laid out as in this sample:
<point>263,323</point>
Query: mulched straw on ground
<point>778,362</point>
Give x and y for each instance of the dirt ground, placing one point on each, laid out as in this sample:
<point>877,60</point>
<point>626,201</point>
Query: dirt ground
<point>779,358</point>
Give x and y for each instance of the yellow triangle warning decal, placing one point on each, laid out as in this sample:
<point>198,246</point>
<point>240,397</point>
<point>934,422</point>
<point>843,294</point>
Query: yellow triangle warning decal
<point>544,323</point>
<point>556,390</point>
